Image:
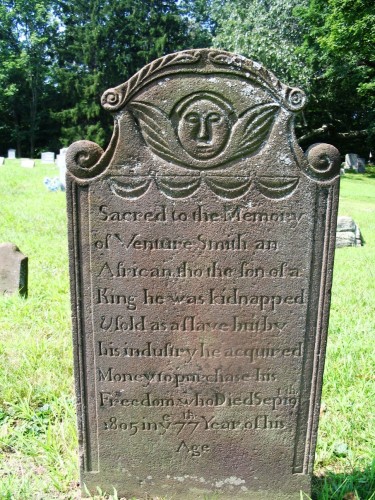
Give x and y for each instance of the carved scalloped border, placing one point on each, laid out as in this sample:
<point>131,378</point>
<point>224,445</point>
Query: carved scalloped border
<point>227,188</point>
<point>115,98</point>
<point>292,98</point>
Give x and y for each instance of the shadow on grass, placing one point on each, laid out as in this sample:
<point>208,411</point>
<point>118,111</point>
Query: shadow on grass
<point>357,177</point>
<point>359,485</point>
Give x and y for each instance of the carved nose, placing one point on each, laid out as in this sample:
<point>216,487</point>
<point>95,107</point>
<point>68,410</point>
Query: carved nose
<point>203,132</point>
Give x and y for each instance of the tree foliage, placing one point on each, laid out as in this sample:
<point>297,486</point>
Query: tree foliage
<point>339,49</point>
<point>57,57</point>
<point>264,30</point>
<point>102,44</point>
<point>26,27</point>
<point>324,46</point>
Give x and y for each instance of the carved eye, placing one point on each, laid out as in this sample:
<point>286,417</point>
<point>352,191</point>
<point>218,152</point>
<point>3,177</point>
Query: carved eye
<point>214,117</point>
<point>192,118</point>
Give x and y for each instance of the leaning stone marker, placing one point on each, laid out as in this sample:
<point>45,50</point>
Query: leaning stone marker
<point>13,270</point>
<point>201,253</point>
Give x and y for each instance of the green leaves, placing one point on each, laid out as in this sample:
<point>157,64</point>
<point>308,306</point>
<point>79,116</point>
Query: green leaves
<point>267,32</point>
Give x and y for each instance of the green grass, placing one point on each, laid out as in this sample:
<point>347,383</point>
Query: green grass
<point>37,432</point>
<point>38,446</point>
<point>344,461</point>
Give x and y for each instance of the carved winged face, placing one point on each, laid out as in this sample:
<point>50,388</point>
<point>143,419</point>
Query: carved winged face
<point>203,126</point>
<point>203,130</point>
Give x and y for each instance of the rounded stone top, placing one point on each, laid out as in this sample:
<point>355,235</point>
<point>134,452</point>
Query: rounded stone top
<point>204,61</point>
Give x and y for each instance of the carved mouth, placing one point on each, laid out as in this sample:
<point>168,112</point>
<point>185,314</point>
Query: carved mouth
<point>205,145</point>
<point>277,187</point>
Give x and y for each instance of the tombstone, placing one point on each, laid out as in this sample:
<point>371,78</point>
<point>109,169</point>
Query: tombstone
<point>1,160</point>
<point>61,163</point>
<point>201,249</point>
<point>13,270</point>
<point>11,154</point>
<point>27,163</point>
<point>48,157</point>
<point>361,166</point>
<point>348,233</point>
<point>351,161</point>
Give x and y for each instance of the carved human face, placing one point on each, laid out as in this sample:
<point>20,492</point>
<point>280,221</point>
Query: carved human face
<point>203,128</point>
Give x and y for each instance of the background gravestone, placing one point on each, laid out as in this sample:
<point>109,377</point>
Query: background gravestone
<point>27,163</point>
<point>201,249</point>
<point>61,163</point>
<point>1,160</point>
<point>13,270</point>
<point>351,161</point>
<point>361,165</point>
<point>48,157</point>
<point>11,154</point>
<point>348,233</point>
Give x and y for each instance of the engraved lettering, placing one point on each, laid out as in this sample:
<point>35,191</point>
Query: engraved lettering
<point>107,296</point>
<point>194,450</point>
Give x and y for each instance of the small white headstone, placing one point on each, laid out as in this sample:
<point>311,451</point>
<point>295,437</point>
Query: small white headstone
<point>27,163</point>
<point>48,157</point>
<point>11,154</point>
<point>1,160</point>
<point>61,163</point>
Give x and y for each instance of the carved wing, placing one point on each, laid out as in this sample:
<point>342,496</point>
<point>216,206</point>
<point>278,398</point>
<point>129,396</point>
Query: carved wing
<point>157,131</point>
<point>251,130</point>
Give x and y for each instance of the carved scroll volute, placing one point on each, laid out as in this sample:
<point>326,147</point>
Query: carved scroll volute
<point>86,159</point>
<point>323,162</point>
<point>82,159</point>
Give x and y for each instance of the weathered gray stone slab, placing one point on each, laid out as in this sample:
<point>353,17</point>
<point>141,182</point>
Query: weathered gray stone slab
<point>27,163</point>
<point>201,247</point>
<point>348,233</point>
<point>351,161</point>
<point>11,154</point>
<point>361,166</point>
<point>13,270</point>
<point>2,160</point>
<point>48,157</point>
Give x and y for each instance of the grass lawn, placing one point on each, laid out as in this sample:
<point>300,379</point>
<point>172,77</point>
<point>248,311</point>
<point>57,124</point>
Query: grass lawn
<point>38,443</point>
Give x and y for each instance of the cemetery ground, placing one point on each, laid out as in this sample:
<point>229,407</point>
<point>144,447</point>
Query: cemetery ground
<point>38,442</point>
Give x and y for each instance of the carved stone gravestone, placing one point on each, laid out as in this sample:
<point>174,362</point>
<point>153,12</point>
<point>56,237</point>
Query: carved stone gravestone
<point>13,270</point>
<point>201,249</point>
<point>11,154</point>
